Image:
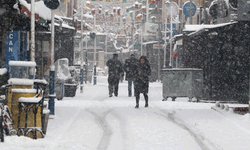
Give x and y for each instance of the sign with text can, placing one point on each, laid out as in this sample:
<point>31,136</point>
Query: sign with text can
<point>12,47</point>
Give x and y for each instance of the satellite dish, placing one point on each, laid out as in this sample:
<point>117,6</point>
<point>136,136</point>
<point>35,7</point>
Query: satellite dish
<point>175,10</point>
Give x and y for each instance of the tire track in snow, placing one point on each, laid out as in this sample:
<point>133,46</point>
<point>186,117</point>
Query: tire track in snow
<point>123,130</point>
<point>197,137</point>
<point>67,126</point>
<point>96,93</point>
<point>107,132</point>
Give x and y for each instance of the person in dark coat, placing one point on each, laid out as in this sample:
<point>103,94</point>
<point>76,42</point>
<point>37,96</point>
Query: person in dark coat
<point>131,72</point>
<point>142,80</point>
<point>115,72</point>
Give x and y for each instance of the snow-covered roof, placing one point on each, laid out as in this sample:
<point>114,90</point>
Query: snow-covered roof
<point>40,9</point>
<point>64,26</point>
<point>22,63</point>
<point>204,26</point>
<point>3,71</point>
<point>88,15</point>
<point>150,42</point>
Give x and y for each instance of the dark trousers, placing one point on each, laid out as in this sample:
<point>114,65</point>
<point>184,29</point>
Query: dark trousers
<point>130,82</point>
<point>113,85</point>
<point>137,96</point>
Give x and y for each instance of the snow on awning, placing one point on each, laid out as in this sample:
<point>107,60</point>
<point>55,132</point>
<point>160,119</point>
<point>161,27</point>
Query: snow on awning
<point>195,29</point>
<point>64,26</point>
<point>40,9</point>
<point>27,12</point>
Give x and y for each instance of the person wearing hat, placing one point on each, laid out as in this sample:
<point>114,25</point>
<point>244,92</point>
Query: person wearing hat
<point>115,72</point>
<point>130,69</point>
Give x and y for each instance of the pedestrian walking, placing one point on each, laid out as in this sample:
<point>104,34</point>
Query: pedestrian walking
<point>115,72</point>
<point>142,80</point>
<point>130,69</point>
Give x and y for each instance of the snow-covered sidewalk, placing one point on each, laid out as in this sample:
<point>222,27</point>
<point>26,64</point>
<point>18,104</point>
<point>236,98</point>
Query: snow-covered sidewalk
<point>92,121</point>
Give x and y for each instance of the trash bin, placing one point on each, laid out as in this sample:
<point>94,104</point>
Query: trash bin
<point>89,75</point>
<point>16,94</point>
<point>45,119</point>
<point>70,90</point>
<point>182,82</point>
<point>59,89</point>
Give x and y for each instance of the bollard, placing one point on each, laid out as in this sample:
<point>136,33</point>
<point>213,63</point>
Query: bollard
<point>52,92</point>
<point>95,75</point>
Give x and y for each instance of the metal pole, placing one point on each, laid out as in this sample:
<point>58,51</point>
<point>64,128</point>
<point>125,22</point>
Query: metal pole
<point>171,30</point>
<point>86,59</point>
<point>165,48</point>
<point>191,14</point>
<point>147,9</point>
<point>181,16</point>
<point>32,52</point>
<point>52,68</point>
<point>159,31</point>
<point>132,33</point>
<point>141,36</point>
<point>81,50</point>
<point>86,53</point>
<point>95,51</point>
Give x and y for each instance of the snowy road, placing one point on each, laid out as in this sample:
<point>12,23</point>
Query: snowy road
<point>94,121</point>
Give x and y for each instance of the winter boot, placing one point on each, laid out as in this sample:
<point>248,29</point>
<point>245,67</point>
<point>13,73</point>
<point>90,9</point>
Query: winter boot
<point>137,103</point>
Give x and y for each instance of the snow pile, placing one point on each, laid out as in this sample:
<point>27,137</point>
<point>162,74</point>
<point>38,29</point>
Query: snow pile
<point>22,63</point>
<point>23,90</point>
<point>40,9</point>
<point>3,71</point>
<point>16,81</point>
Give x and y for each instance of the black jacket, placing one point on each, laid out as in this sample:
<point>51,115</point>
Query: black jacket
<point>142,80</point>
<point>115,67</point>
<point>130,67</point>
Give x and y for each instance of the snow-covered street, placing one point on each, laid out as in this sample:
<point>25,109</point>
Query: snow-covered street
<point>94,121</point>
